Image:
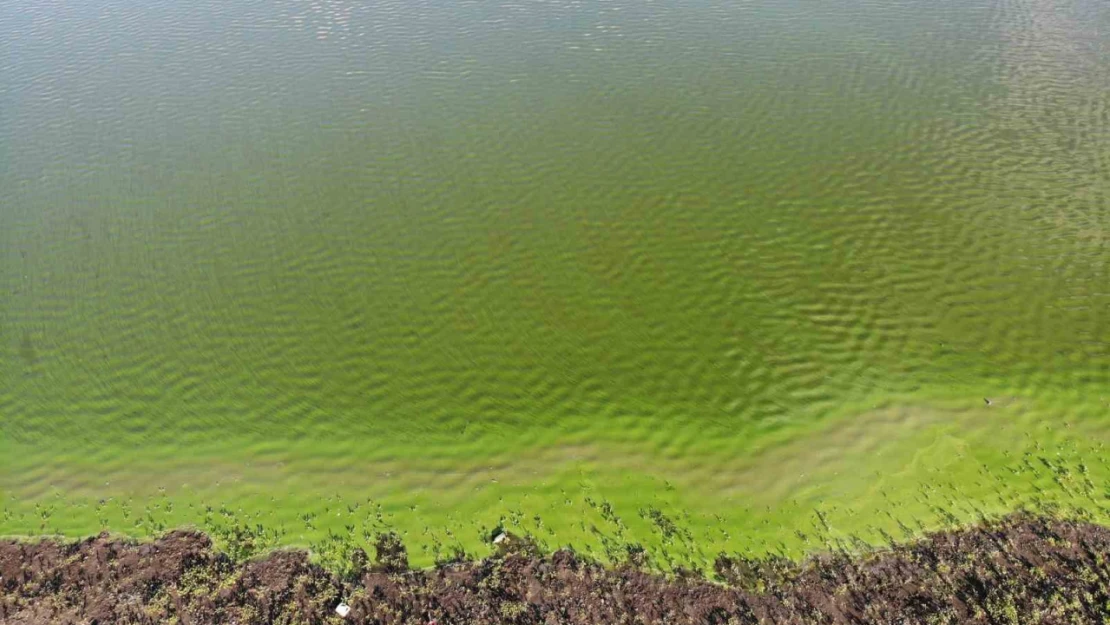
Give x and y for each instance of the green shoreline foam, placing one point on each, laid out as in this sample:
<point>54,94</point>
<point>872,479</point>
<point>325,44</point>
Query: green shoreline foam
<point>896,471</point>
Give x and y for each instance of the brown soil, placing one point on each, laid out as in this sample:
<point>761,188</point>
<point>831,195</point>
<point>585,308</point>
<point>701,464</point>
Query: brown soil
<point>1022,569</point>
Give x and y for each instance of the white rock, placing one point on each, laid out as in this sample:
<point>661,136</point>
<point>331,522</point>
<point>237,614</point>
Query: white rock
<point>343,610</point>
<point>500,538</point>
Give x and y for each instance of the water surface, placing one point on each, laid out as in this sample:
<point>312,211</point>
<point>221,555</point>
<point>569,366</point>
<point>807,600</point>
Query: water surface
<point>458,255</point>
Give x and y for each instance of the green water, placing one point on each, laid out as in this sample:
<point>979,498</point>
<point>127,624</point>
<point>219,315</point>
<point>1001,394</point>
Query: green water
<point>740,259</point>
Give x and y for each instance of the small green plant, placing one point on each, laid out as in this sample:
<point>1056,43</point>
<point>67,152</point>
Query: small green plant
<point>390,553</point>
<point>239,538</point>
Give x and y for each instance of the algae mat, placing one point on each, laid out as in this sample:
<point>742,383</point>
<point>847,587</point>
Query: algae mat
<point>440,265</point>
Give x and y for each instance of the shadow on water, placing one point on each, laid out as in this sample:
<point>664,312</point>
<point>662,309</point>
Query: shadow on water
<point>27,352</point>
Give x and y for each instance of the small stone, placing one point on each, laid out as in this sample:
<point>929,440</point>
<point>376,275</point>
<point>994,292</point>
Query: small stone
<point>343,610</point>
<point>500,538</point>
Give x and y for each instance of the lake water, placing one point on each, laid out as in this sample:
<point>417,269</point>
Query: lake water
<point>719,254</point>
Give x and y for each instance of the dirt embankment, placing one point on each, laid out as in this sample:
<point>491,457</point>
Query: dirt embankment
<point>1019,570</point>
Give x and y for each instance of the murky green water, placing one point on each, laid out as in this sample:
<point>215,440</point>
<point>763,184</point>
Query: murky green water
<point>448,253</point>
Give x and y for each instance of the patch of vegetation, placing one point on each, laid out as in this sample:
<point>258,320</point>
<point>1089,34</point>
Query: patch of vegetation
<point>1023,568</point>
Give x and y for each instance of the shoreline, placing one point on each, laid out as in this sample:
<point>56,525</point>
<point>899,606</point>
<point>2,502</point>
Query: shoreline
<point>1016,569</point>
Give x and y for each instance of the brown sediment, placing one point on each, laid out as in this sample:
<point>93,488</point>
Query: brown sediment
<point>1021,569</point>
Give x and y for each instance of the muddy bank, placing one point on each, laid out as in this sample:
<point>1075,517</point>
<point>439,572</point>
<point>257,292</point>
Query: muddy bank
<point>1021,569</point>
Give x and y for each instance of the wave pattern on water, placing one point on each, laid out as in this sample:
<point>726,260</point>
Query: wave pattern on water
<point>476,231</point>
